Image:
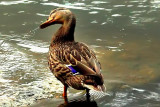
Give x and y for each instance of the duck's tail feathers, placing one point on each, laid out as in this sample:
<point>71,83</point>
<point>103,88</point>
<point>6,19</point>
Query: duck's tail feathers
<point>96,88</point>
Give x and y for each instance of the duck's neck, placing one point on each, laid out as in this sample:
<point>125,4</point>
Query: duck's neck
<point>65,32</point>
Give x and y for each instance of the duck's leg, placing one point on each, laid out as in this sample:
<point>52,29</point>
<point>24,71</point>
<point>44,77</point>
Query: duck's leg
<point>65,94</point>
<point>87,95</point>
<point>65,91</point>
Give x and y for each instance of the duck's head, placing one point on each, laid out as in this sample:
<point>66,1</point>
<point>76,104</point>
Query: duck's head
<point>58,16</point>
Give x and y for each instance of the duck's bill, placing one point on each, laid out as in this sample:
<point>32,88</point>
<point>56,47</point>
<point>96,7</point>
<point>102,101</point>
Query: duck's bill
<point>96,88</point>
<point>47,23</point>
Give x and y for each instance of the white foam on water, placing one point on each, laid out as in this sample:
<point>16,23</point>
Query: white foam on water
<point>15,2</point>
<point>34,48</point>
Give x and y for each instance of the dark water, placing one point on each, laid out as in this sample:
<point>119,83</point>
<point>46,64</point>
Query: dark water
<point>123,33</point>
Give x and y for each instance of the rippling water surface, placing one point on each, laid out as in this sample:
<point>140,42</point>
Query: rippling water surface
<point>123,33</point>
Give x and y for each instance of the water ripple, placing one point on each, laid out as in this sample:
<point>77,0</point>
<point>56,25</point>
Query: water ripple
<point>34,48</point>
<point>116,15</point>
<point>93,12</point>
<point>99,2</point>
<point>64,5</point>
<point>40,14</point>
<point>15,2</point>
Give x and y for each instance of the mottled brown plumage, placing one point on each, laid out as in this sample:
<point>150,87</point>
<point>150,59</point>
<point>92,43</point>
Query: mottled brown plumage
<point>65,52</point>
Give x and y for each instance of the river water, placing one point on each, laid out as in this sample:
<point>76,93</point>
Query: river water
<point>123,33</point>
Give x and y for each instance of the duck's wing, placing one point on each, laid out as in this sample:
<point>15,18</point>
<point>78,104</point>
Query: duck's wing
<point>75,58</point>
<point>81,58</point>
<point>85,61</point>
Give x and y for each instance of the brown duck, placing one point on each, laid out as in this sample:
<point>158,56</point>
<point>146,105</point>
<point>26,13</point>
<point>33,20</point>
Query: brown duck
<point>73,63</point>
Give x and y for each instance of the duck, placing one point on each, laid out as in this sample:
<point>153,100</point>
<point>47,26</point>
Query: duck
<point>73,63</point>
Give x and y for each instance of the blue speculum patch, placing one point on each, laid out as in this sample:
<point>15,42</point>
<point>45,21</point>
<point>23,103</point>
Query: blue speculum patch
<point>72,69</point>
